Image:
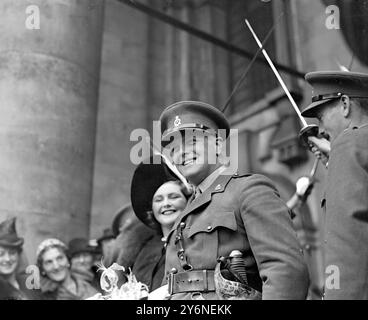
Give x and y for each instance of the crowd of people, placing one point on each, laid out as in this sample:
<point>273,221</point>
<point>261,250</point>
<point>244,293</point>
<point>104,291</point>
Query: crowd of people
<point>206,233</point>
<point>64,271</point>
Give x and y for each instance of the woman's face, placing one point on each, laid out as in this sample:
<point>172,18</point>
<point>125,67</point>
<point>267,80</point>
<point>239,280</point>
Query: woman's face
<point>82,261</point>
<point>9,258</point>
<point>167,203</point>
<point>55,264</point>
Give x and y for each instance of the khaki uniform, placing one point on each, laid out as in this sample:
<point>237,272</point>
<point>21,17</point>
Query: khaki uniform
<point>241,213</point>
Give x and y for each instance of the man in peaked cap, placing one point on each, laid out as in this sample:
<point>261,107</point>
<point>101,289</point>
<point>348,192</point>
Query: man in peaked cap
<point>340,103</point>
<point>228,212</point>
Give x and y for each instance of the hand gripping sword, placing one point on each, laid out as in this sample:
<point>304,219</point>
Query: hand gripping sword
<point>307,129</point>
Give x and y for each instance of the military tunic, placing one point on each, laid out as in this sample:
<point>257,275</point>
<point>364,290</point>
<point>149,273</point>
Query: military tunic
<point>242,213</point>
<point>346,206</point>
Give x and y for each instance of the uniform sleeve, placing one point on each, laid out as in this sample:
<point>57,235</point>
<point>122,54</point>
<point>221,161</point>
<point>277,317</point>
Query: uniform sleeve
<point>273,241</point>
<point>348,174</point>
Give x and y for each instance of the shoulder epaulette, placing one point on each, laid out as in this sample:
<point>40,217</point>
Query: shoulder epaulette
<point>237,175</point>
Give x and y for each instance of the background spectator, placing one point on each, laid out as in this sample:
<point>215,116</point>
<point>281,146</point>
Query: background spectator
<point>58,281</point>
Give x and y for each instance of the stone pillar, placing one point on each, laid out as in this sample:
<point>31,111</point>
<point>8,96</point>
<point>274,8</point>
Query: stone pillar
<point>123,107</point>
<point>196,69</point>
<point>48,103</point>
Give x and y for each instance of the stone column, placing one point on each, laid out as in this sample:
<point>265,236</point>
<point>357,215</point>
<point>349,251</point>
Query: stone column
<point>123,106</point>
<point>48,103</point>
<point>199,69</point>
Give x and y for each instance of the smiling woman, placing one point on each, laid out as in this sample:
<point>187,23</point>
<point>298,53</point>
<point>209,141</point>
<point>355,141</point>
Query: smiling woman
<point>58,282</point>
<point>157,196</point>
<point>157,199</point>
<point>12,285</point>
<point>167,203</point>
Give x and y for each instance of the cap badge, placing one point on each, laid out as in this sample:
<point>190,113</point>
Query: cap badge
<point>177,121</point>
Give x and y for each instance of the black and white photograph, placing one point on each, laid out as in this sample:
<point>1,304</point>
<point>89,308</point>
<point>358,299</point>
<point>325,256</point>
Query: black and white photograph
<point>183,150</point>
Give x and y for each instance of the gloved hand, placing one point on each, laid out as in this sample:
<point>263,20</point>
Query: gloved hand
<point>321,148</point>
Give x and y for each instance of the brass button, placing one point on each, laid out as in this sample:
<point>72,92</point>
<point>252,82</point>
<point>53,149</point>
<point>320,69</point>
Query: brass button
<point>173,270</point>
<point>218,187</point>
<point>209,228</point>
<point>182,225</point>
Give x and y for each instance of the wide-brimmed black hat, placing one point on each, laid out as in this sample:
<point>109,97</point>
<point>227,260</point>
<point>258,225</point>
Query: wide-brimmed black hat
<point>79,245</point>
<point>331,85</point>
<point>8,234</point>
<point>147,178</point>
<point>184,115</point>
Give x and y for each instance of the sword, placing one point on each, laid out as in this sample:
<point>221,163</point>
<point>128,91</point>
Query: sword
<point>246,70</point>
<point>307,129</point>
<point>170,165</point>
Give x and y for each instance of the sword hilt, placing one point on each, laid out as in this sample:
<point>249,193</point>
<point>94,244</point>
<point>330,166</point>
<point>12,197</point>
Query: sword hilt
<point>311,130</point>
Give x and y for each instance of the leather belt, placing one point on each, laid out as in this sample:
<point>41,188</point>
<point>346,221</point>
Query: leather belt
<point>189,281</point>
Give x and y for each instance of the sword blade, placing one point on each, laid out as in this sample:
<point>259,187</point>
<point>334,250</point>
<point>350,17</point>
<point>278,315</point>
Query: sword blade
<point>170,165</point>
<point>314,168</point>
<point>282,83</point>
<point>245,72</point>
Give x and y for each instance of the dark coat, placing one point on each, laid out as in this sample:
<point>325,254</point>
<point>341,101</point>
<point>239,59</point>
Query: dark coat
<point>149,266</point>
<point>8,292</point>
<point>346,206</point>
<point>133,237</point>
<point>140,248</point>
<point>55,291</point>
<point>243,213</point>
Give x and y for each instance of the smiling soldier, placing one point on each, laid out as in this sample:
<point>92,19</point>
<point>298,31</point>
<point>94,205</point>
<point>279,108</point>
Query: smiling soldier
<point>227,212</point>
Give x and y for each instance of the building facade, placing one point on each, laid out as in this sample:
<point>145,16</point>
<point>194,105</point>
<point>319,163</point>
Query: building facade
<point>73,92</point>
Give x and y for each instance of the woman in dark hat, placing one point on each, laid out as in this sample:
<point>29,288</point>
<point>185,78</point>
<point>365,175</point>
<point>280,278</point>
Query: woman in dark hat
<point>12,285</point>
<point>82,260</point>
<point>157,198</point>
<point>58,281</point>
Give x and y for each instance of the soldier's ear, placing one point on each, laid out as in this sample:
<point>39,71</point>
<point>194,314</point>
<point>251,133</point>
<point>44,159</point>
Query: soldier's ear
<point>345,105</point>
